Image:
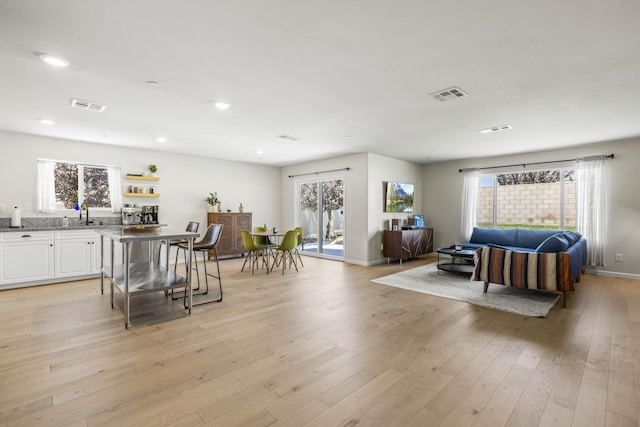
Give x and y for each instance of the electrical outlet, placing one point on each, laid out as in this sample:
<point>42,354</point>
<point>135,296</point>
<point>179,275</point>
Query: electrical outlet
<point>382,246</point>
<point>618,257</point>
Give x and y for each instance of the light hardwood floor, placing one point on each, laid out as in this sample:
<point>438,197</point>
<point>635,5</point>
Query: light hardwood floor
<point>322,347</point>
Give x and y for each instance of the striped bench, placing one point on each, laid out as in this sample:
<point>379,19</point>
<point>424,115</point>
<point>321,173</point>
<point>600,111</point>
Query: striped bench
<point>541,271</point>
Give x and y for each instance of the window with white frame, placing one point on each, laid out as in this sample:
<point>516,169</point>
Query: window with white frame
<point>564,198</point>
<point>542,199</point>
<point>63,185</point>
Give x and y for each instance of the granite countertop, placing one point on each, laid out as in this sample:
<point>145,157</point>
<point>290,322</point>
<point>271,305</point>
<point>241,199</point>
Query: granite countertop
<point>77,227</point>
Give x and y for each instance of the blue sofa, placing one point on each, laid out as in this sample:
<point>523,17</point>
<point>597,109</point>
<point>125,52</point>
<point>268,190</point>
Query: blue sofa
<point>537,241</point>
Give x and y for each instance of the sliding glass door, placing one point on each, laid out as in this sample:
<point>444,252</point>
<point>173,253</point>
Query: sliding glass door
<point>321,215</point>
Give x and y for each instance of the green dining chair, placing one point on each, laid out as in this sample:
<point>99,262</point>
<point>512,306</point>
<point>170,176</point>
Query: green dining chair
<point>254,253</point>
<point>286,251</point>
<point>263,242</point>
<point>300,232</point>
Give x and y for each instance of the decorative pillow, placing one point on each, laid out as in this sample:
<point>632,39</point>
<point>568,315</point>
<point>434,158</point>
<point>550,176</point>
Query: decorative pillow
<point>571,237</point>
<point>555,243</point>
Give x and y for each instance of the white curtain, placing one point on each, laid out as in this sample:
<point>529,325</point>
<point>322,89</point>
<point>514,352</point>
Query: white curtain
<point>470,192</point>
<point>115,189</point>
<point>591,185</point>
<point>46,191</point>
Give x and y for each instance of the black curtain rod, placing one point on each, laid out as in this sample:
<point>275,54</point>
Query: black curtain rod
<point>77,163</point>
<point>524,165</point>
<point>316,173</point>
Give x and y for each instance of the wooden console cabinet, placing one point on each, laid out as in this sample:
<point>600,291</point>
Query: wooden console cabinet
<point>231,239</point>
<point>405,244</point>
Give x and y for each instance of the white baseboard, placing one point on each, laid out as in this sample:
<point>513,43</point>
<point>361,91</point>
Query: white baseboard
<point>356,262</point>
<point>376,262</point>
<point>365,263</point>
<point>613,274</point>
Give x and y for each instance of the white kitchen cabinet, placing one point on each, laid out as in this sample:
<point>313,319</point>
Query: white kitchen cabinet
<point>73,257</point>
<point>26,257</point>
<point>39,257</point>
<point>77,253</point>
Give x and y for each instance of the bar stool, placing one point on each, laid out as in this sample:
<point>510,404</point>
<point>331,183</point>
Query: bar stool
<point>208,243</point>
<point>192,227</point>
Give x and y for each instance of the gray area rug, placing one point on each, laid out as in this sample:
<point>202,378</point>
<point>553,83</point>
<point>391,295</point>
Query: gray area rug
<point>458,287</point>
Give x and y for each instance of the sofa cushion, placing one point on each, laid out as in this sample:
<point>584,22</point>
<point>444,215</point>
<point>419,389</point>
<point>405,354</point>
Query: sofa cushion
<point>511,248</point>
<point>526,238</point>
<point>555,243</point>
<point>491,235</point>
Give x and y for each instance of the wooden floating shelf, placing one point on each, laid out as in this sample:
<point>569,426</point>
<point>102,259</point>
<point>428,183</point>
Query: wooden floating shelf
<point>142,178</point>
<point>142,195</point>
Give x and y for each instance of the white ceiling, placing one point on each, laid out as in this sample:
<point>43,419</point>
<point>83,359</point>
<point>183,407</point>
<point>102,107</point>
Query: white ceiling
<point>562,73</point>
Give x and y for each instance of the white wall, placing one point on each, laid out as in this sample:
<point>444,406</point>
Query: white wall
<point>269,193</point>
<point>381,170</point>
<point>443,198</point>
<point>184,183</point>
<point>364,213</point>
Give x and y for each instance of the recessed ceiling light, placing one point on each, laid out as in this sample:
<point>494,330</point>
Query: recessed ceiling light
<point>495,129</point>
<point>56,61</point>
<point>221,105</point>
<point>161,139</point>
<point>348,136</point>
<point>153,83</point>
<point>47,122</point>
<point>258,152</point>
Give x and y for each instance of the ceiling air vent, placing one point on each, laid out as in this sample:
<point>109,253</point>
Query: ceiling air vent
<point>495,129</point>
<point>448,94</point>
<point>289,137</point>
<point>87,105</point>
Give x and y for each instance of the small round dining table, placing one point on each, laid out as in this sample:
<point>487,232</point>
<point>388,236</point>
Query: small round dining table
<point>277,236</point>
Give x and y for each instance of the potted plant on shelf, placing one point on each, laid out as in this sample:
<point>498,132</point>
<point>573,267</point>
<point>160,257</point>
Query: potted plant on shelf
<point>152,170</point>
<point>213,201</point>
<point>241,208</point>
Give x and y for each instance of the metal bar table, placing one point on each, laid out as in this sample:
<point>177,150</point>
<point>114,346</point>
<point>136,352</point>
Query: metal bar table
<point>143,277</point>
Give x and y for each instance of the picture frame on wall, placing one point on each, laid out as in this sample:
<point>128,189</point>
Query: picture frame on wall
<point>398,196</point>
